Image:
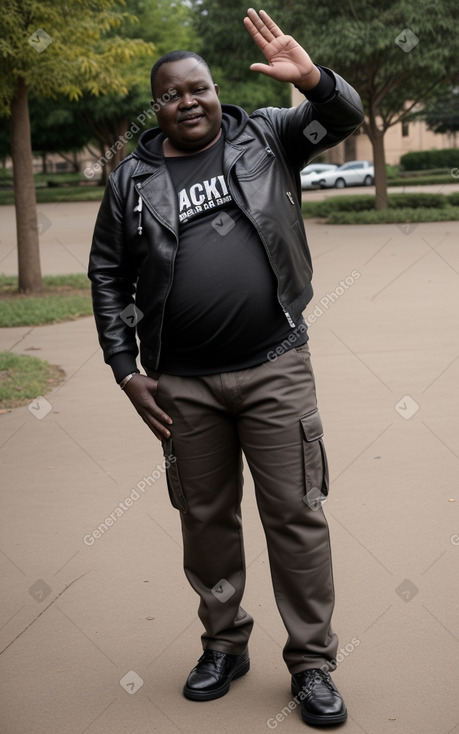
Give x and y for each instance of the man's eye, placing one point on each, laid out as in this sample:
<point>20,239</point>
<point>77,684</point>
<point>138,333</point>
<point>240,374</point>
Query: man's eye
<point>199,90</point>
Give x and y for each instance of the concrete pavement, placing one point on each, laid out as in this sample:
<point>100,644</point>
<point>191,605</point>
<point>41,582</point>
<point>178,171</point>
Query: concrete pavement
<point>100,631</point>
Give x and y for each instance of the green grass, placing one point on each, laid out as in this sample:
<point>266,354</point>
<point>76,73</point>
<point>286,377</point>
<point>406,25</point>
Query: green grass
<point>23,378</point>
<point>64,298</point>
<point>396,216</point>
<point>49,195</point>
<point>360,209</point>
<point>426,180</point>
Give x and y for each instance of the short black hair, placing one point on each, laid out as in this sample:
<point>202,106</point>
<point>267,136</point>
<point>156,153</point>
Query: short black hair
<point>174,56</point>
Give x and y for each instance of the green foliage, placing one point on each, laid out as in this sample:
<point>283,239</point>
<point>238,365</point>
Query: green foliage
<point>72,193</point>
<point>348,209</point>
<point>23,378</point>
<point>395,216</point>
<point>229,50</point>
<point>441,111</point>
<point>83,52</point>
<point>55,125</point>
<point>65,297</point>
<point>37,310</point>
<point>78,281</point>
<point>423,160</point>
<point>60,124</point>
<point>358,39</point>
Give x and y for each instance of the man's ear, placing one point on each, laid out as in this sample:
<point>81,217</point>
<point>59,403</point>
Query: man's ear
<point>217,89</point>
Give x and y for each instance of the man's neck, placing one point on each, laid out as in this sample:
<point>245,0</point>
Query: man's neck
<point>170,151</point>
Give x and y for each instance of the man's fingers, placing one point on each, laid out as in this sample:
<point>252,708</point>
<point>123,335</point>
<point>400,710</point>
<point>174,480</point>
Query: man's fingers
<point>262,24</point>
<point>263,69</point>
<point>270,24</point>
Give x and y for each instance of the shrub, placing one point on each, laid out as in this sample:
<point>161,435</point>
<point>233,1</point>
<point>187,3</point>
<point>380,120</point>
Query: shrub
<point>417,201</point>
<point>395,216</point>
<point>424,160</point>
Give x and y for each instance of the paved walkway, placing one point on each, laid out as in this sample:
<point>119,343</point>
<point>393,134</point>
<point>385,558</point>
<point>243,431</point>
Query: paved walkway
<point>99,629</point>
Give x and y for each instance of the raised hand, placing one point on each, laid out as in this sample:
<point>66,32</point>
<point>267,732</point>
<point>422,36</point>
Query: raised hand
<point>287,60</point>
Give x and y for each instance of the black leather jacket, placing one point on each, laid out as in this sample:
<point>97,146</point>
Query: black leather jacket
<point>137,230</point>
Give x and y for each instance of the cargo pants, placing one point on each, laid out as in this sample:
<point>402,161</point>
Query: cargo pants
<point>269,414</point>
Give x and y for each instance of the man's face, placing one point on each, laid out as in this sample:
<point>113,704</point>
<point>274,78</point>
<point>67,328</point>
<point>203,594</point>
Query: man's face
<point>192,118</point>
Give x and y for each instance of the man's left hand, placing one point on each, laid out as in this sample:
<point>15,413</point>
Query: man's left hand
<point>287,60</point>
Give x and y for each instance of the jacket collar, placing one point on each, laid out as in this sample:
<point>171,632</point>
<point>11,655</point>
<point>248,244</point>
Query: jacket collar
<point>149,151</point>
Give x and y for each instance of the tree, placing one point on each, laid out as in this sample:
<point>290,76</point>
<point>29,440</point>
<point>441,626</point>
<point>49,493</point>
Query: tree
<point>167,25</point>
<point>441,112</point>
<point>229,50</point>
<point>53,47</point>
<point>394,53</point>
<point>56,127</point>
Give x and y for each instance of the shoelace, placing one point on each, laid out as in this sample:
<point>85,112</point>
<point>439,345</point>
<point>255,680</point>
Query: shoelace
<point>310,678</point>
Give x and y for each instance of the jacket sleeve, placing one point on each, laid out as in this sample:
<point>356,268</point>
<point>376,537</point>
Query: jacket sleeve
<point>314,126</point>
<point>113,276</point>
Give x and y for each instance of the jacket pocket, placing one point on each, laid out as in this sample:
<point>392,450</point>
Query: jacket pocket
<point>315,460</point>
<point>174,484</point>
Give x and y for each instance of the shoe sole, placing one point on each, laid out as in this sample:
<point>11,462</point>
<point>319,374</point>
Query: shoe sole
<point>313,720</point>
<point>237,672</point>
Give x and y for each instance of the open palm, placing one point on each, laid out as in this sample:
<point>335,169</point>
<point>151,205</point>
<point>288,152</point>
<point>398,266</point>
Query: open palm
<point>287,60</point>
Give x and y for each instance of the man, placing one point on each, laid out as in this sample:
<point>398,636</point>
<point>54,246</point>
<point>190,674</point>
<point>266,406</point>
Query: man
<point>203,224</point>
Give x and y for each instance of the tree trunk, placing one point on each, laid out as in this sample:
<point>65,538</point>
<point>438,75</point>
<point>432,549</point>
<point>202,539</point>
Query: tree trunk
<point>376,136</point>
<point>29,270</point>
<point>379,161</point>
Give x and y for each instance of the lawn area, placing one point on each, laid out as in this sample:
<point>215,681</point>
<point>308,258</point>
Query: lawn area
<point>64,298</point>
<point>23,379</point>
<point>402,208</point>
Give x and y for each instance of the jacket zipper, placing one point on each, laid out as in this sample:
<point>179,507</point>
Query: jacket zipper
<point>139,208</point>
<point>249,216</point>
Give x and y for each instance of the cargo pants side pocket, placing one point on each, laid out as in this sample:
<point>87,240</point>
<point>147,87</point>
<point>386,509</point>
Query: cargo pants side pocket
<point>174,483</point>
<point>315,460</point>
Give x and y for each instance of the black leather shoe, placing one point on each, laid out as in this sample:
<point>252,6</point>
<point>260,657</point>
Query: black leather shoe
<point>321,703</point>
<point>213,674</point>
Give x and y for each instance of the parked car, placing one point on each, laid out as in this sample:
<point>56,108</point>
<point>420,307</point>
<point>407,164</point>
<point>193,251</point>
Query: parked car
<point>353,173</point>
<point>311,171</point>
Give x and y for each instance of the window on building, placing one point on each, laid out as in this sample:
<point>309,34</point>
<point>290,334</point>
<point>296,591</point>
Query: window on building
<point>405,128</point>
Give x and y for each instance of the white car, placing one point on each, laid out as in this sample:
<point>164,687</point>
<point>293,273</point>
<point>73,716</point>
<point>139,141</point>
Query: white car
<point>311,171</point>
<point>353,173</point>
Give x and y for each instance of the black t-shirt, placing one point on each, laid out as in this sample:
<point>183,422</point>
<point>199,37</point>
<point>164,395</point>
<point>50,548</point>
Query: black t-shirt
<point>222,313</point>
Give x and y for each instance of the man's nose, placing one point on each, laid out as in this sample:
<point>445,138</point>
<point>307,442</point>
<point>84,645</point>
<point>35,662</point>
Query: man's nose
<point>187,100</point>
